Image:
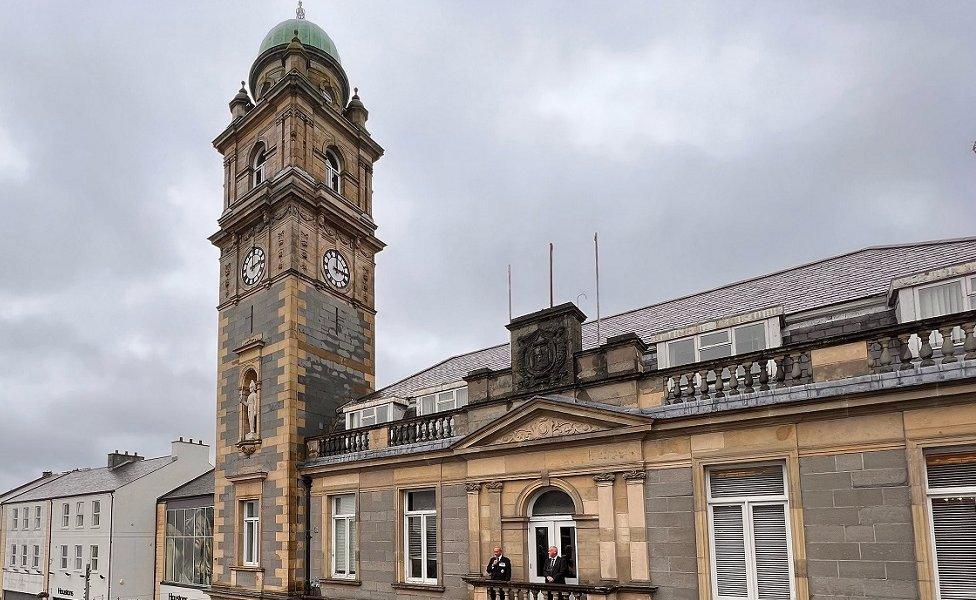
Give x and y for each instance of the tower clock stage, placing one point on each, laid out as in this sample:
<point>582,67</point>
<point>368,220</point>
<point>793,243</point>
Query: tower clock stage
<point>296,308</point>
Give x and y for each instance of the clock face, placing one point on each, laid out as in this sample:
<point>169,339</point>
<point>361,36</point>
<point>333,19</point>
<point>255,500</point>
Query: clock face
<point>253,266</point>
<point>335,268</point>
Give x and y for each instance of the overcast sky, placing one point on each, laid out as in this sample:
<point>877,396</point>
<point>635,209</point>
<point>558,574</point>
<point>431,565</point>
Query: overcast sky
<point>705,142</point>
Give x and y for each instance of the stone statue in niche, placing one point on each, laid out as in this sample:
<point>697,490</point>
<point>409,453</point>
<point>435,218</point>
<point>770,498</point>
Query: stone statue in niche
<point>249,408</point>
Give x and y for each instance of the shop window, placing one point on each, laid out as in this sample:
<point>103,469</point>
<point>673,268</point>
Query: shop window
<point>189,545</point>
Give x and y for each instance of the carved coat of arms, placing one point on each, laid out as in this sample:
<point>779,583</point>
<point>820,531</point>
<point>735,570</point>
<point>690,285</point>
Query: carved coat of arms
<point>542,358</point>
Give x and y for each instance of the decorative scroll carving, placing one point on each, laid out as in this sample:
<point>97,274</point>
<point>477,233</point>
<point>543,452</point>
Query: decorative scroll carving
<point>546,427</point>
<point>472,488</point>
<point>605,477</point>
<point>635,475</point>
<point>494,486</point>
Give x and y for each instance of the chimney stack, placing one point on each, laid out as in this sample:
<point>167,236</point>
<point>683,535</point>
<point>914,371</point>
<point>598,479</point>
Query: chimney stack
<point>115,459</point>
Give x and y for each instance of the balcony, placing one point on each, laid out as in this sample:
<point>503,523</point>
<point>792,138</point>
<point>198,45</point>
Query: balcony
<point>523,590</point>
<point>404,432</point>
<point>909,346</point>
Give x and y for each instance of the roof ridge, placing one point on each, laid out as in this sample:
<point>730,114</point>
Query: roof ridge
<point>787,270</point>
<point>588,324</point>
<point>433,366</point>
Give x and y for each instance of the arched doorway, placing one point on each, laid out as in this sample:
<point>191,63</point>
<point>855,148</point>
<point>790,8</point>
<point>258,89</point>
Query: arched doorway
<point>551,524</point>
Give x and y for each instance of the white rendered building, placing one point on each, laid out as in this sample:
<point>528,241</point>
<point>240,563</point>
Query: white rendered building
<point>100,521</point>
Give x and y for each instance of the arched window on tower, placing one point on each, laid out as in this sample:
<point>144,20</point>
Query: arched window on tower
<point>333,171</point>
<point>258,164</point>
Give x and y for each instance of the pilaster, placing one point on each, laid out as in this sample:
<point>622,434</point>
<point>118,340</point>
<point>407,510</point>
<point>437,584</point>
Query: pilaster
<point>608,535</point>
<point>640,569</point>
<point>474,528</point>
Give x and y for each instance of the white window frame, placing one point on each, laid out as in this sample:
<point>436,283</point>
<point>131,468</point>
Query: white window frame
<point>79,557</point>
<point>80,514</point>
<point>37,517</point>
<point>65,515</point>
<point>357,418</point>
<point>251,534</point>
<point>23,555</point>
<point>258,171</point>
<point>747,502</point>
<point>36,562</point>
<point>443,401</point>
<point>93,557</point>
<point>64,557</point>
<point>696,340</point>
<point>16,518</point>
<point>96,513</point>
<point>346,521</point>
<point>935,493</point>
<point>424,516</point>
<point>968,293</point>
<point>333,173</point>
<point>13,555</point>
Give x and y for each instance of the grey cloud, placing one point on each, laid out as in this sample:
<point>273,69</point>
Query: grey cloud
<point>707,142</point>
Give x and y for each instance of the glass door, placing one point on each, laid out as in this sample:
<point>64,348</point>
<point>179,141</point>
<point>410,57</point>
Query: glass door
<point>542,535</point>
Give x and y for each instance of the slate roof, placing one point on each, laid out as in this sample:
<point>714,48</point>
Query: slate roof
<point>201,486</point>
<point>844,278</point>
<point>20,489</point>
<point>93,481</point>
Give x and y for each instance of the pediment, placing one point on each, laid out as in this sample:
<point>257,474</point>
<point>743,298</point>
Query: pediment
<point>545,419</point>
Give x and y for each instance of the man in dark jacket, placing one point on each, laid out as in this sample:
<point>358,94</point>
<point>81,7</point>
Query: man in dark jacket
<point>499,569</point>
<point>556,567</point>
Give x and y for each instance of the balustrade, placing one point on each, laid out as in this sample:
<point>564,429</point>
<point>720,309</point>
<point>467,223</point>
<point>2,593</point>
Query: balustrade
<point>926,343</point>
<point>737,375</point>
<point>437,426</point>
<point>339,443</point>
<point>523,590</point>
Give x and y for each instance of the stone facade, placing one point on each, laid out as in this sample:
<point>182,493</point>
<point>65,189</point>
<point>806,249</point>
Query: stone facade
<point>593,448</point>
<point>670,504</point>
<point>858,520</point>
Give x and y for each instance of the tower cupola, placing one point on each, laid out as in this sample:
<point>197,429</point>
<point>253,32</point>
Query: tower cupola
<point>322,65</point>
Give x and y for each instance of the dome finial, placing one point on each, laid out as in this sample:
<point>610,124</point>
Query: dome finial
<point>300,12</point>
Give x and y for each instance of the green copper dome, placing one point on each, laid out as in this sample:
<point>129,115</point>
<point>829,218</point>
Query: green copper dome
<point>309,34</point>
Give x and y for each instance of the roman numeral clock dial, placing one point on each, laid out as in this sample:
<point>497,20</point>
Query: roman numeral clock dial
<point>253,266</point>
<point>335,269</point>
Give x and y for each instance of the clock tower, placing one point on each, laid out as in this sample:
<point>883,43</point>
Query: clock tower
<point>296,307</point>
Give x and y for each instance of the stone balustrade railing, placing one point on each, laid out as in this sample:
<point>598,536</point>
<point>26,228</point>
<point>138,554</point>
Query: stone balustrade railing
<point>735,375</point>
<point>427,428</point>
<point>939,340</point>
<point>942,340</point>
<point>343,442</point>
<point>523,590</point>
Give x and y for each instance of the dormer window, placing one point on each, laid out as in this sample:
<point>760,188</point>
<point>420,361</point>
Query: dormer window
<point>442,401</point>
<point>717,344</point>
<point>946,297</point>
<point>366,417</point>
<point>258,175</point>
<point>333,171</point>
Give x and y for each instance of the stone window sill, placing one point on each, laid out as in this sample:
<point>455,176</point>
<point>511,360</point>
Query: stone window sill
<point>251,568</point>
<point>420,587</point>
<point>340,581</point>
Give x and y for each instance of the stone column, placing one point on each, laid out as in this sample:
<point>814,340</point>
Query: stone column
<point>608,537</point>
<point>474,528</point>
<point>640,569</point>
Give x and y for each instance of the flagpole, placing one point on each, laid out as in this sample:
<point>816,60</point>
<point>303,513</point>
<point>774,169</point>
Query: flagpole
<point>551,303</point>
<point>596,254</point>
<point>510,293</point>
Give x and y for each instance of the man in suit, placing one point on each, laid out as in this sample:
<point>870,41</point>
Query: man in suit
<point>555,571</point>
<point>556,567</point>
<point>499,569</point>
